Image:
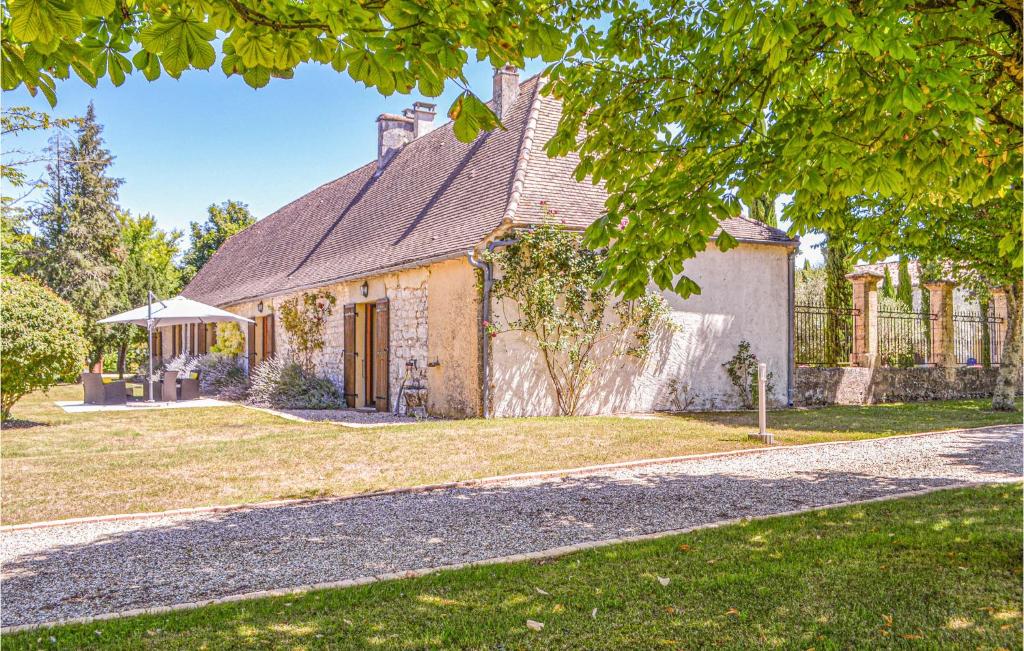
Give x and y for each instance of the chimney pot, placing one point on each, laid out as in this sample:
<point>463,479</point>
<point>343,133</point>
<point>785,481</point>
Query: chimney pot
<point>506,89</point>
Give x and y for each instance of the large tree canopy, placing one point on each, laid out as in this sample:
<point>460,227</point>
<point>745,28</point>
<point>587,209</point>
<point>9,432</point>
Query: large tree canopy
<point>692,106</point>
<point>392,45</point>
<point>222,221</point>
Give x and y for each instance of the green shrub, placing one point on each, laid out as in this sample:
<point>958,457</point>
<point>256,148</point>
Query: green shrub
<point>742,372</point>
<point>41,340</point>
<point>287,385</point>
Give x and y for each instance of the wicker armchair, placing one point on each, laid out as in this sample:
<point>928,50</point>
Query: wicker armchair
<point>98,392</point>
<point>188,387</point>
<point>169,386</point>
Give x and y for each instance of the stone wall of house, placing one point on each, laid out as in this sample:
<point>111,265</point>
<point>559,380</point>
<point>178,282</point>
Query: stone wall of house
<point>744,296</point>
<point>864,386</point>
<point>407,294</point>
<point>408,333</point>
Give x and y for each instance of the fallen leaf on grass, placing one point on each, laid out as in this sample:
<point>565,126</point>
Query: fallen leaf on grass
<point>733,612</point>
<point>593,614</point>
<point>534,625</point>
<point>670,610</point>
<point>539,591</point>
<point>557,608</point>
<point>663,581</point>
<point>684,547</point>
<point>888,620</point>
<point>911,636</point>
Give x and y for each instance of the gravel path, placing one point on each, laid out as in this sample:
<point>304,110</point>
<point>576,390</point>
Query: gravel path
<point>91,568</point>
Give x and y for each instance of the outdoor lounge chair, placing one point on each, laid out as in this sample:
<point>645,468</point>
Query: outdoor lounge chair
<point>169,386</point>
<point>188,387</point>
<point>98,392</point>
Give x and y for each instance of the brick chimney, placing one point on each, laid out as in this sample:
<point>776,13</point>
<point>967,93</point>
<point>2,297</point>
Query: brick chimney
<point>395,131</point>
<point>506,90</point>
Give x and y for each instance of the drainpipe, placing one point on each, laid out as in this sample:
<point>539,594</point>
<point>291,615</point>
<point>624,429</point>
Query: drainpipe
<point>485,317</point>
<point>791,300</point>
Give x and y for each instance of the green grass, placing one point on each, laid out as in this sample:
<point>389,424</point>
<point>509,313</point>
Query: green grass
<point>938,571</point>
<point>74,465</point>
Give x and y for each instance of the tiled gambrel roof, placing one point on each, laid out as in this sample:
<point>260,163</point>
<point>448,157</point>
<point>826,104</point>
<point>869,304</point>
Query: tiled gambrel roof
<point>437,198</point>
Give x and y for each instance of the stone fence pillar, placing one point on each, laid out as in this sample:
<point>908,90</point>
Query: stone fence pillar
<point>999,311</point>
<point>865,318</point>
<point>941,294</point>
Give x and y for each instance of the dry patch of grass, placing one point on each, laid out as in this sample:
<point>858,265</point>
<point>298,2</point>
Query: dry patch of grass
<point>114,462</point>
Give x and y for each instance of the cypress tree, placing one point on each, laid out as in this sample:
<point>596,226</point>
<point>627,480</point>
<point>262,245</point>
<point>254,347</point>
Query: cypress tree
<point>838,299</point>
<point>763,210</point>
<point>77,252</point>
<point>887,290</point>
<point>904,290</point>
<point>807,264</point>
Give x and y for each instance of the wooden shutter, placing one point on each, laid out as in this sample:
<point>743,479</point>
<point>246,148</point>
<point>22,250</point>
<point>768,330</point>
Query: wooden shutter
<point>381,349</point>
<point>268,336</point>
<point>350,354</point>
<point>201,349</point>
<point>176,340</point>
<point>251,327</point>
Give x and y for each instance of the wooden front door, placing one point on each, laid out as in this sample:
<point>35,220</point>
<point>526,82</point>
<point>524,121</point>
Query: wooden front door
<point>268,337</point>
<point>381,352</point>
<point>350,354</point>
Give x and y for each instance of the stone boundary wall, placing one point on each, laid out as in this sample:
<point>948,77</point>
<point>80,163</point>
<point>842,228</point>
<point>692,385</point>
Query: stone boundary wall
<point>866,386</point>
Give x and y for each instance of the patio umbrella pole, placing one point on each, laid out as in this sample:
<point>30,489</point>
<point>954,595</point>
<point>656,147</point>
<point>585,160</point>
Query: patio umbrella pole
<point>149,329</point>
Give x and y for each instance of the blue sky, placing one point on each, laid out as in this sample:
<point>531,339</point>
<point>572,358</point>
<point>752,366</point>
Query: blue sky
<point>183,144</point>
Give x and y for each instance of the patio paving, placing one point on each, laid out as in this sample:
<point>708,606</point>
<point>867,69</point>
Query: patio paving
<point>79,407</point>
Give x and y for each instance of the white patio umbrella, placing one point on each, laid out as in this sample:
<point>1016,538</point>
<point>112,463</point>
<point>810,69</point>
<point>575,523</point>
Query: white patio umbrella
<point>175,311</point>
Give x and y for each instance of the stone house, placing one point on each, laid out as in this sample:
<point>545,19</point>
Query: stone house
<point>395,241</point>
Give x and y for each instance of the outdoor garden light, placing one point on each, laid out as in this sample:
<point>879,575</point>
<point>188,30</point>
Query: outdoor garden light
<point>364,289</point>
<point>259,307</point>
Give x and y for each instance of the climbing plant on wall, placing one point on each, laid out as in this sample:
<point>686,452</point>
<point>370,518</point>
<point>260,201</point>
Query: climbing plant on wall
<point>547,288</point>
<point>304,320</point>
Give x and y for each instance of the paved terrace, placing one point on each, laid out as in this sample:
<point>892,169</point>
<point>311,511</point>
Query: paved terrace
<point>92,568</point>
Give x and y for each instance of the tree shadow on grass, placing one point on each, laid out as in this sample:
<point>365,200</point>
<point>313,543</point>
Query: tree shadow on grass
<point>18,423</point>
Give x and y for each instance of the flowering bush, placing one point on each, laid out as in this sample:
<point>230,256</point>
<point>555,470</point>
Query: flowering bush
<point>287,385</point>
<point>222,376</point>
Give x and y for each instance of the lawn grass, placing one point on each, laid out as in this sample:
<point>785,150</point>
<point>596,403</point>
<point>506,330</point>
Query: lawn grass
<point>74,465</point>
<point>937,571</point>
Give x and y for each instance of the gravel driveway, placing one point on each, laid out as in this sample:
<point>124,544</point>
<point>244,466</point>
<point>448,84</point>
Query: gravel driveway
<point>91,568</point>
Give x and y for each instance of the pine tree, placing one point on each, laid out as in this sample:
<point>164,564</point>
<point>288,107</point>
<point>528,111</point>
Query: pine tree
<point>77,249</point>
<point>904,288</point>
<point>807,264</point>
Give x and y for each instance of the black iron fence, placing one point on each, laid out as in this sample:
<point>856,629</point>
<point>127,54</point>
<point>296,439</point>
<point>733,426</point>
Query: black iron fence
<point>823,336</point>
<point>904,338</point>
<point>977,339</point>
